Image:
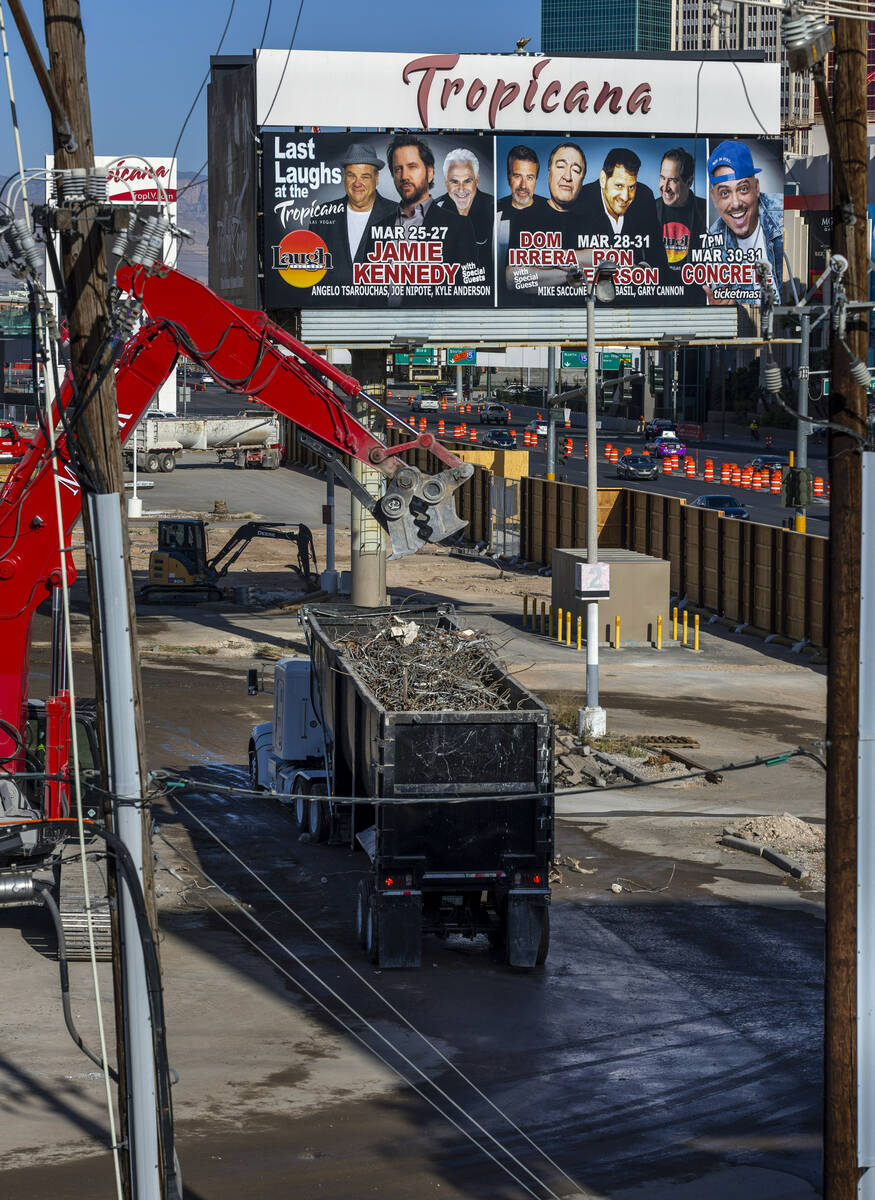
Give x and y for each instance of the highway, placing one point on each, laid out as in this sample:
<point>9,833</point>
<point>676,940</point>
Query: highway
<point>764,508</point>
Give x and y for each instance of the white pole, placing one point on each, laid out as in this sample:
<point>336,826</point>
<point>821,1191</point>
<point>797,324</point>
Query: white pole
<point>866,846</point>
<point>135,504</point>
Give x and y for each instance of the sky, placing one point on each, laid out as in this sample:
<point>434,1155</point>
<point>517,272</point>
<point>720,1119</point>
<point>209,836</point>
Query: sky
<point>146,61</point>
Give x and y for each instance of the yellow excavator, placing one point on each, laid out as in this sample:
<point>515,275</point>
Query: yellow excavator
<point>181,573</point>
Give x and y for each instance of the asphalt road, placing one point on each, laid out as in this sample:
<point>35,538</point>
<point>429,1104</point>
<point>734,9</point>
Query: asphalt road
<point>765,509</point>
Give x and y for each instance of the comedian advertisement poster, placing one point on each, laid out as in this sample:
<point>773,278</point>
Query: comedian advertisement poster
<point>480,220</point>
<point>375,221</point>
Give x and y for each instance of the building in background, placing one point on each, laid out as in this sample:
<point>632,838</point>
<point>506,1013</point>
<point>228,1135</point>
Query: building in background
<point>606,26</point>
<point>635,26</point>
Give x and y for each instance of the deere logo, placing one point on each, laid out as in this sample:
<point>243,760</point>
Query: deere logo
<point>301,258</point>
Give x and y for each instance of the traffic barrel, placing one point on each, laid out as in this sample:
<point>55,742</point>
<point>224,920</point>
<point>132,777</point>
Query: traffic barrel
<point>568,423</point>
<point>615,454</point>
<point>725,473</point>
<point>666,465</point>
<point>457,432</point>
<point>690,468</point>
<point>675,463</point>
<point>775,486</point>
<point>443,404</point>
<point>709,470</point>
<point>756,481</point>
<point>473,434</point>
<point>817,487</point>
<point>746,477</point>
<point>608,449</point>
<point>442,425</point>
<point>422,424</point>
<point>389,422</point>
<point>513,434</point>
<point>736,476</point>
<point>627,450</point>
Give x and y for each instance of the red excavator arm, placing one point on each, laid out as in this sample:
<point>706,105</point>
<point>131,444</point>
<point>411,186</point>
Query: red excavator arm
<point>245,351</point>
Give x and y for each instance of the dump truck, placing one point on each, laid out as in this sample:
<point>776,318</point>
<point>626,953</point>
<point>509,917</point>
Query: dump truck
<point>242,441</point>
<point>454,809</point>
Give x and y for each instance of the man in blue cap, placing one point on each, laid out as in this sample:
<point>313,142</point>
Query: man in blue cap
<point>749,220</point>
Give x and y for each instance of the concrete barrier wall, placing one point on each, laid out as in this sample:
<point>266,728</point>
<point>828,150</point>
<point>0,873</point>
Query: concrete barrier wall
<point>774,579</point>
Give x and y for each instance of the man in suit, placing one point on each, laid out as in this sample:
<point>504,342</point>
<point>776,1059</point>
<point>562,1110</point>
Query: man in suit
<point>462,180</point>
<point>345,224</point>
<point>412,165</point>
<point>616,211</point>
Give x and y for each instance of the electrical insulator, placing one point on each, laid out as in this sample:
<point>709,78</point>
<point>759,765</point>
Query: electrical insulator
<point>73,184</point>
<point>96,185</point>
<point>24,245</point>
<point>126,316</point>
<point>772,377</point>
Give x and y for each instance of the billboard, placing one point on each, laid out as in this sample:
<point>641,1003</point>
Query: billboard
<point>518,220</point>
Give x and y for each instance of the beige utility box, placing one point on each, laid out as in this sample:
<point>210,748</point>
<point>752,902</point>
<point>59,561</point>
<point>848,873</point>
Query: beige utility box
<point>639,594</point>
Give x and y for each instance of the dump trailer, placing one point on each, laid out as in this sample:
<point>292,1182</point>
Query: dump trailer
<point>242,441</point>
<point>453,808</point>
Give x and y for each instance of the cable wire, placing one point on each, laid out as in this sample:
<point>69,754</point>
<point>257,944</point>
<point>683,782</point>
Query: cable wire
<point>205,80</point>
<point>285,65</point>
<point>359,1016</point>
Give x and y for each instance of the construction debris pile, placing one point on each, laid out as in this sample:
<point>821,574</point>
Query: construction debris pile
<point>418,667</point>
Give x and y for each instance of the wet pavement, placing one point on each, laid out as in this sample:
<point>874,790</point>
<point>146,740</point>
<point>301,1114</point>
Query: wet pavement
<point>671,1042</point>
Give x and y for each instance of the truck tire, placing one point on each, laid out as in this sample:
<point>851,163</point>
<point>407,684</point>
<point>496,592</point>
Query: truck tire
<point>151,463</point>
<point>301,806</point>
<point>167,461</point>
<point>372,939</point>
<point>318,819</point>
<point>362,903</point>
<point>544,944</point>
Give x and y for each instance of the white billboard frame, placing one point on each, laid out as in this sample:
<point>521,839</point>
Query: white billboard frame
<point>516,93</point>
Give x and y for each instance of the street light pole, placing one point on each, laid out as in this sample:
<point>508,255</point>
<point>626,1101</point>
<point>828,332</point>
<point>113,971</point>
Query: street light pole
<point>592,508</point>
<point>802,426</point>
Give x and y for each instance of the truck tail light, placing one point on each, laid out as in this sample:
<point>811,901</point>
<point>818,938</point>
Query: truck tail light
<point>528,878</point>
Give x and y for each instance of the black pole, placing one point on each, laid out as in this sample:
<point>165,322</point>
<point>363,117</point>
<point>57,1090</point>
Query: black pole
<point>32,308</point>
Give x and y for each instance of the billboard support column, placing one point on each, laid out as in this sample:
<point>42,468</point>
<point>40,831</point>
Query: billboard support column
<point>367,540</point>
<point>551,424</point>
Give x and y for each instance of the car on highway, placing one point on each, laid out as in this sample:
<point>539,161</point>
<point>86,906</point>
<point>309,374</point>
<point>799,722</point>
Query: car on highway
<point>637,466</point>
<point>773,461</point>
<point>657,426</point>
<point>425,402</point>
<point>493,414</point>
<point>445,391</point>
<point>498,439</point>
<point>665,445</point>
<point>728,505</point>
<point>537,427</point>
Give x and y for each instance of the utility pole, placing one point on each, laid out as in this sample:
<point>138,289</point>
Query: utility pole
<point>847,409</point>
<point>85,298</point>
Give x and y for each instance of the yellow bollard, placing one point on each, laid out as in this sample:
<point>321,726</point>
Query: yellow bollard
<point>791,458</point>
<point>696,632</point>
<point>525,609</point>
<point>674,624</point>
<point>579,631</point>
<point>559,627</point>
<point>543,615</point>
<point>617,634</point>
<point>659,632</point>
<point>685,626</point>
<point>568,628</point>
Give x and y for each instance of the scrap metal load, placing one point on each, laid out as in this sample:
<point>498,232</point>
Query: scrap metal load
<point>415,667</point>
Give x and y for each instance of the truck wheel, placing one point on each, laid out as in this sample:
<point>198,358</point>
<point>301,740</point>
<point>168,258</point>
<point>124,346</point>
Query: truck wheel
<point>372,941</point>
<point>544,944</point>
<point>151,464</point>
<point>167,462</point>
<point>317,819</point>
<point>300,806</point>
<point>362,903</point>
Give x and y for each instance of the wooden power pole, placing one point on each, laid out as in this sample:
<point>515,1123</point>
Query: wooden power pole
<point>847,403</point>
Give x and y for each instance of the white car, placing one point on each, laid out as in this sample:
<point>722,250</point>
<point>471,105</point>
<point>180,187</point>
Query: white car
<point>537,427</point>
<point>425,403</point>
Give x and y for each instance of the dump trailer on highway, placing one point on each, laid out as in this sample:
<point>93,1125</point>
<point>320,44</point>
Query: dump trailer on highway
<point>242,441</point>
<point>453,808</point>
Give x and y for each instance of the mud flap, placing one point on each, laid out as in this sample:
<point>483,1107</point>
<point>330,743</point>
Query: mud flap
<point>399,929</point>
<point>526,916</point>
